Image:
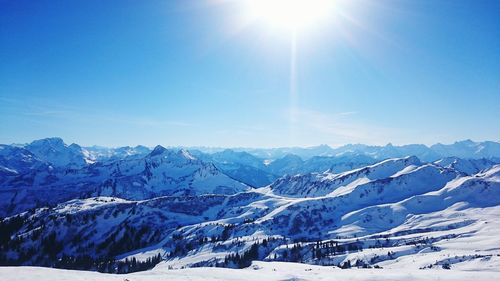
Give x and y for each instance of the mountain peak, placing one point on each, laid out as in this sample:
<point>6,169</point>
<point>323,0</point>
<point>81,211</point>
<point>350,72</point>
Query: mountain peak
<point>141,147</point>
<point>466,142</point>
<point>75,146</point>
<point>181,153</point>
<point>158,150</point>
<point>408,160</point>
<point>291,156</point>
<point>54,141</point>
<point>413,160</point>
<point>185,153</point>
<point>56,152</point>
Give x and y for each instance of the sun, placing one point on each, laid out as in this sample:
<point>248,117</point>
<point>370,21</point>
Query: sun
<point>290,14</point>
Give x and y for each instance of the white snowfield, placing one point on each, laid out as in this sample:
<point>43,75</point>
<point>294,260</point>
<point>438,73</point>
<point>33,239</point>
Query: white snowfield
<point>258,271</point>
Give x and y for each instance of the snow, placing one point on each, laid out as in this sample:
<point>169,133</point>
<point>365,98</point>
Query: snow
<point>427,199</point>
<point>426,215</point>
<point>162,172</point>
<point>472,238</point>
<point>320,184</point>
<point>8,170</point>
<point>258,271</point>
<point>55,151</point>
<point>78,205</point>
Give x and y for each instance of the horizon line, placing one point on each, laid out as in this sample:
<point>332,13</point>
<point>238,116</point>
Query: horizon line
<point>245,147</point>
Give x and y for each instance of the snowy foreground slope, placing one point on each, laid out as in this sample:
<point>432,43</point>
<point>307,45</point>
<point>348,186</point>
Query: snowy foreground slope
<point>258,271</point>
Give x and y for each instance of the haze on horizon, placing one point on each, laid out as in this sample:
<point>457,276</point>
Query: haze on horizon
<point>236,74</point>
<point>211,149</point>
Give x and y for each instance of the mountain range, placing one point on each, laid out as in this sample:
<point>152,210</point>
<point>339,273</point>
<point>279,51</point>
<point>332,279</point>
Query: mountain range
<point>127,209</point>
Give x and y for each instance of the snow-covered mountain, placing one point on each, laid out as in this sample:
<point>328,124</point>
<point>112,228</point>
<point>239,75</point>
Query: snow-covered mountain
<point>241,166</point>
<point>321,184</point>
<point>259,172</point>
<point>259,167</point>
<point>99,153</point>
<point>467,149</point>
<point>396,210</point>
<point>463,149</point>
<point>292,165</point>
<point>416,208</point>
<point>304,153</point>
<point>57,153</point>
<point>17,160</point>
<point>162,172</point>
<point>128,209</point>
<point>466,166</point>
<point>54,151</point>
<point>166,172</point>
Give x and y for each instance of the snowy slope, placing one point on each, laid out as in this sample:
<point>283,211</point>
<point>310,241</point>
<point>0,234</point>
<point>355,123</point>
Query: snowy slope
<point>466,166</point>
<point>314,184</point>
<point>258,271</point>
<point>460,215</point>
<point>18,160</point>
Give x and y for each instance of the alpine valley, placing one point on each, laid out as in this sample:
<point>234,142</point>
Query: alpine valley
<point>420,208</point>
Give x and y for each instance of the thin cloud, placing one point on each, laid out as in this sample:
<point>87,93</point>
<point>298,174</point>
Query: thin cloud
<point>337,127</point>
<point>41,109</point>
<point>347,113</point>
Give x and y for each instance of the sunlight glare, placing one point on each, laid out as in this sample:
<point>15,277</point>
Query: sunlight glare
<point>291,14</point>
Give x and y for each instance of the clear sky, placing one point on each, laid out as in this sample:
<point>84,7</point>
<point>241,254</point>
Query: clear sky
<point>206,73</point>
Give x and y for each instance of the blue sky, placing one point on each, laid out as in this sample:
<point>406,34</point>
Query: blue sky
<point>196,73</point>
